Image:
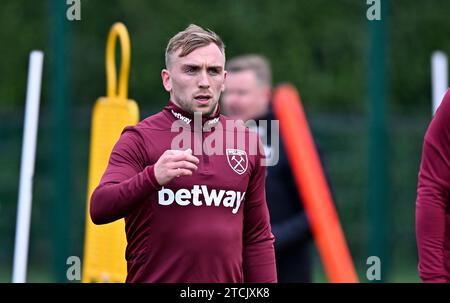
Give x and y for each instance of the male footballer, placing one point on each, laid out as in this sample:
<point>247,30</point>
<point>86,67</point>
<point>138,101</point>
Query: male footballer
<point>433,199</point>
<point>193,199</point>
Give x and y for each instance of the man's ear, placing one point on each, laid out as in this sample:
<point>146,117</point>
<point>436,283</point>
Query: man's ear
<point>166,80</point>
<point>224,78</point>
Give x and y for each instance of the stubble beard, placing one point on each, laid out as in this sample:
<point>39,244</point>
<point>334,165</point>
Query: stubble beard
<point>188,106</point>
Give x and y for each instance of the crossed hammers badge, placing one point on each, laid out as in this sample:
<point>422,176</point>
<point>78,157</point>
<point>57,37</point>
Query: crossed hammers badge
<point>237,159</point>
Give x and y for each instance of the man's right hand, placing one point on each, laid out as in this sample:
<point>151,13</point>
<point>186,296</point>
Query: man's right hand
<point>174,163</point>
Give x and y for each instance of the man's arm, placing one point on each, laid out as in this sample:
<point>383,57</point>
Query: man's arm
<point>130,177</point>
<point>126,182</point>
<point>293,230</point>
<point>258,255</point>
<point>433,196</point>
<point>296,228</point>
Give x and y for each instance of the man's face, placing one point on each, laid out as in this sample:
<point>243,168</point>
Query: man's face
<point>196,81</point>
<point>245,97</point>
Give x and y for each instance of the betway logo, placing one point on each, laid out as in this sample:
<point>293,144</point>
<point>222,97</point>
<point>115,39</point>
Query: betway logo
<point>183,197</point>
<point>181,117</point>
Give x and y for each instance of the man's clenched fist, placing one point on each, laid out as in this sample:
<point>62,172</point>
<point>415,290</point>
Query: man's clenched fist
<point>175,163</point>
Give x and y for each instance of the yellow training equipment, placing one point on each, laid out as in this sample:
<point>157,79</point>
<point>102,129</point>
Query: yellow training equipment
<point>104,249</point>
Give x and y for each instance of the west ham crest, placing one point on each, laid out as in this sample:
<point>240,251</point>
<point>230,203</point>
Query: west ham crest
<point>237,159</point>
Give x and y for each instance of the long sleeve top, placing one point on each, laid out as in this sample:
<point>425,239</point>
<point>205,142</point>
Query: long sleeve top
<point>432,204</point>
<point>213,226</point>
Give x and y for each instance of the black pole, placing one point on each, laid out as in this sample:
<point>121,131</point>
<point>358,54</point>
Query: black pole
<point>60,198</point>
<point>378,143</point>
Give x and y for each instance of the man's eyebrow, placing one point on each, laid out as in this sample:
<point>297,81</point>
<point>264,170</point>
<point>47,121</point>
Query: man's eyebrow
<point>199,66</point>
<point>218,67</point>
<point>191,65</point>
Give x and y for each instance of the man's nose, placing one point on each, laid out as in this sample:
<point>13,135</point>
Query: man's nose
<point>203,82</point>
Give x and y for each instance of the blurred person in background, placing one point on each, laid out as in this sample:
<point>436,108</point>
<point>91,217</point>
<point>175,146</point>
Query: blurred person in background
<point>433,199</point>
<point>247,96</point>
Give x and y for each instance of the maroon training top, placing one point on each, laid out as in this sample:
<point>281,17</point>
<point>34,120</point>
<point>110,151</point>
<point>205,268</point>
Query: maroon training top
<point>432,205</point>
<point>212,226</point>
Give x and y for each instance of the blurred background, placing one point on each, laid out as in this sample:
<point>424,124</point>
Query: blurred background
<point>365,86</point>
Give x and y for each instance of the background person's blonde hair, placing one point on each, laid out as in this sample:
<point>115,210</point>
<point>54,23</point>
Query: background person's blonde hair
<point>252,62</point>
<point>190,39</point>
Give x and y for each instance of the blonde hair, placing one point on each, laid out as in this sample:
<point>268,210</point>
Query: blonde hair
<point>190,39</point>
<point>252,62</point>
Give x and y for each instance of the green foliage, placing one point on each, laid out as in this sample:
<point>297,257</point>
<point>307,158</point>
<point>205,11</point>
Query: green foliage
<point>320,46</point>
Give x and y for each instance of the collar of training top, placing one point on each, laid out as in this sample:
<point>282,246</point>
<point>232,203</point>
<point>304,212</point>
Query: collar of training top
<point>188,118</point>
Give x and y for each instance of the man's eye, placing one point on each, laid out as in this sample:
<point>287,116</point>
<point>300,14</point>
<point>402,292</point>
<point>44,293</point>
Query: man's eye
<point>213,71</point>
<point>190,70</point>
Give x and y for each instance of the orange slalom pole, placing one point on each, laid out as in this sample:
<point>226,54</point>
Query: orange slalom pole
<point>313,187</point>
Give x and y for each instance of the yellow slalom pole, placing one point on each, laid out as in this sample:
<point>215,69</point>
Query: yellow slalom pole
<point>118,30</point>
<point>104,249</point>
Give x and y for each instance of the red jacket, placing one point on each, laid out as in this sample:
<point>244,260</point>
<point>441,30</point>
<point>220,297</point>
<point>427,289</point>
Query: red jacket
<point>433,200</point>
<point>212,226</point>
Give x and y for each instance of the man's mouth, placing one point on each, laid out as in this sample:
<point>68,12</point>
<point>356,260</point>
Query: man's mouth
<point>203,99</point>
